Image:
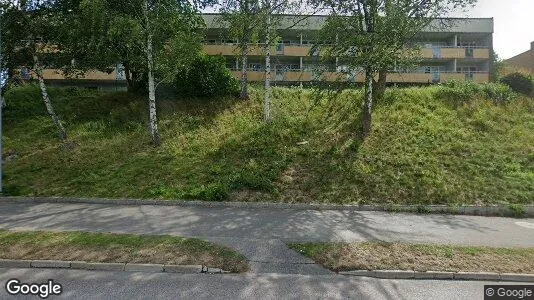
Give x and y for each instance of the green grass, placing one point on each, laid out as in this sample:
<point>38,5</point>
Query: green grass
<point>419,257</point>
<point>424,149</point>
<point>120,248</point>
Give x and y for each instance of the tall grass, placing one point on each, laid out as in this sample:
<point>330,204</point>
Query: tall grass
<point>425,148</point>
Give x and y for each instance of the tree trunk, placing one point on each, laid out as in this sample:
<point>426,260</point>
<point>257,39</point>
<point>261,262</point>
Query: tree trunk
<point>267,100</point>
<point>46,99</point>
<point>244,75</point>
<point>380,85</point>
<point>128,76</point>
<point>367,104</point>
<point>152,94</point>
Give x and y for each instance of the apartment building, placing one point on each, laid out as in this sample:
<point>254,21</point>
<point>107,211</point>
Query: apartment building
<point>457,49</point>
<point>523,62</point>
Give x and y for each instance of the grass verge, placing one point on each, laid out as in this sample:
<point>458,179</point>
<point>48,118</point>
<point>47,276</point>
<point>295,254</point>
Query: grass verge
<point>418,257</point>
<point>118,248</point>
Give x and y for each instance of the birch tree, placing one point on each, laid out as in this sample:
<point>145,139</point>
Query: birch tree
<point>162,38</point>
<point>242,17</point>
<point>278,15</point>
<point>30,36</point>
<point>372,36</point>
<point>268,28</point>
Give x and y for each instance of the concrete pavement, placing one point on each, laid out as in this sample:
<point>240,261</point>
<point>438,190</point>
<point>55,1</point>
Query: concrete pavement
<point>123,285</point>
<point>270,224</point>
<point>260,233</point>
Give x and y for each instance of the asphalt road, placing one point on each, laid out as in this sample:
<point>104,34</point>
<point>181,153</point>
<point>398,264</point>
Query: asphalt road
<point>269,224</point>
<point>123,285</point>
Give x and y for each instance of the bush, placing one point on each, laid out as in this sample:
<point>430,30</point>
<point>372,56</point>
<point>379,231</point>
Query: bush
<point>520,83</point>
<point>459,92</point>
<point>24,101</point>
<point>207,77</point>
<point>75,105</point>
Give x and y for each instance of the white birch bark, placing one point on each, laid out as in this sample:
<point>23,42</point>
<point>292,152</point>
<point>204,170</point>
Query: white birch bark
<point>151,85</point>
<point>46,99</point>
<point>267,99</point>
<point>244,75</point>
<point>368,103</point>
<point>369,19</point>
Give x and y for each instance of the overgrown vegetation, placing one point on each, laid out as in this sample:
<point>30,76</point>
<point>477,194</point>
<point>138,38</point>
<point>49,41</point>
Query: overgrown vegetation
<point>519,82</point>
<point>426,148</point>
<point>207,77</point>
<point>461,92</point>
<point>418,257</point>
<point>118,248</point>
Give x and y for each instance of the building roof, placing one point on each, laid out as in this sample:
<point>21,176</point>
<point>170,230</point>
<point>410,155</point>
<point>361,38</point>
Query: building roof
<point>315,22</point>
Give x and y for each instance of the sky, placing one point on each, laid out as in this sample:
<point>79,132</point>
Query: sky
<point>513,24</point>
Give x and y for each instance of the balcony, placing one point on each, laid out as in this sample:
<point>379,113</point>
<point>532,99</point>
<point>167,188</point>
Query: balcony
<point>251,75</point>
<point>231,50</point>
<point>410,77</point>
<point>449,53</point>
<point>296,50</point>
<point>304,50</point>
<point>53,74</point>
<point>481,53</point>
<point>297,76</point>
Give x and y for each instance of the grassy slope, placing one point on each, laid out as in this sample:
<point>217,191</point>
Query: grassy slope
<point>423,149</point>
<point>120,248</point>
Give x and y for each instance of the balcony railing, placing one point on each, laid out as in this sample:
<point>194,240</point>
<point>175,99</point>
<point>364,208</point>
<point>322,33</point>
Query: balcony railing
<point>394,77</point>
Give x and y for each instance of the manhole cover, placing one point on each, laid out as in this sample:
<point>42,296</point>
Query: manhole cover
<point>525,224</point>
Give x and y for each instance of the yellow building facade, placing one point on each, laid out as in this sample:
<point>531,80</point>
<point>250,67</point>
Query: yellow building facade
<point>460,50</point>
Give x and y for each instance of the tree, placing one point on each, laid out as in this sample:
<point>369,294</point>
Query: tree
<point>208,77</point>
<point>497,67</point>
<point>371,37</point>
<point>267,6</point>
<point>277,15</point>
<point>31,35</point>
<point>158,39</point>
<point>244,26</point>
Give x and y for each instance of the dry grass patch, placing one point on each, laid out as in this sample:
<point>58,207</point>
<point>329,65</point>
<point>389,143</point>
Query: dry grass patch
<point>119,248</point>
<point>418,257</point>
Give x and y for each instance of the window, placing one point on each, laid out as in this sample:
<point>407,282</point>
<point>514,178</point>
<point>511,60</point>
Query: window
<point>292,67</point>
<point>254,67</point>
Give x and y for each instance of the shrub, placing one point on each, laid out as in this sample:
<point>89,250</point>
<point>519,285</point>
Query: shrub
<point>499,93</point>
<point>24,101</point>
<point>459,92</point>
<point>207,77</point>
<point>520,83</point>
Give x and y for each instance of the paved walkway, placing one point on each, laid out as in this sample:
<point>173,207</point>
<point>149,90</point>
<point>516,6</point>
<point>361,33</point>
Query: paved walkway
<point>260,233</point>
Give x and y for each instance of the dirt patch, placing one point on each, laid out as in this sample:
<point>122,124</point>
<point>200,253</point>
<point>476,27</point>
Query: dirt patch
<point>293,185</point>
<point>247,195</point>
<point>418,257</point>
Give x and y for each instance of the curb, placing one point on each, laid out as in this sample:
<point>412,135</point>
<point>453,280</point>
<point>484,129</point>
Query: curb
<point>124,267</point>
<point>435,275</point>
<point>497,210</point>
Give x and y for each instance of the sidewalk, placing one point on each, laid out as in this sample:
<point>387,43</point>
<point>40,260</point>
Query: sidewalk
<point>260,233</point>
